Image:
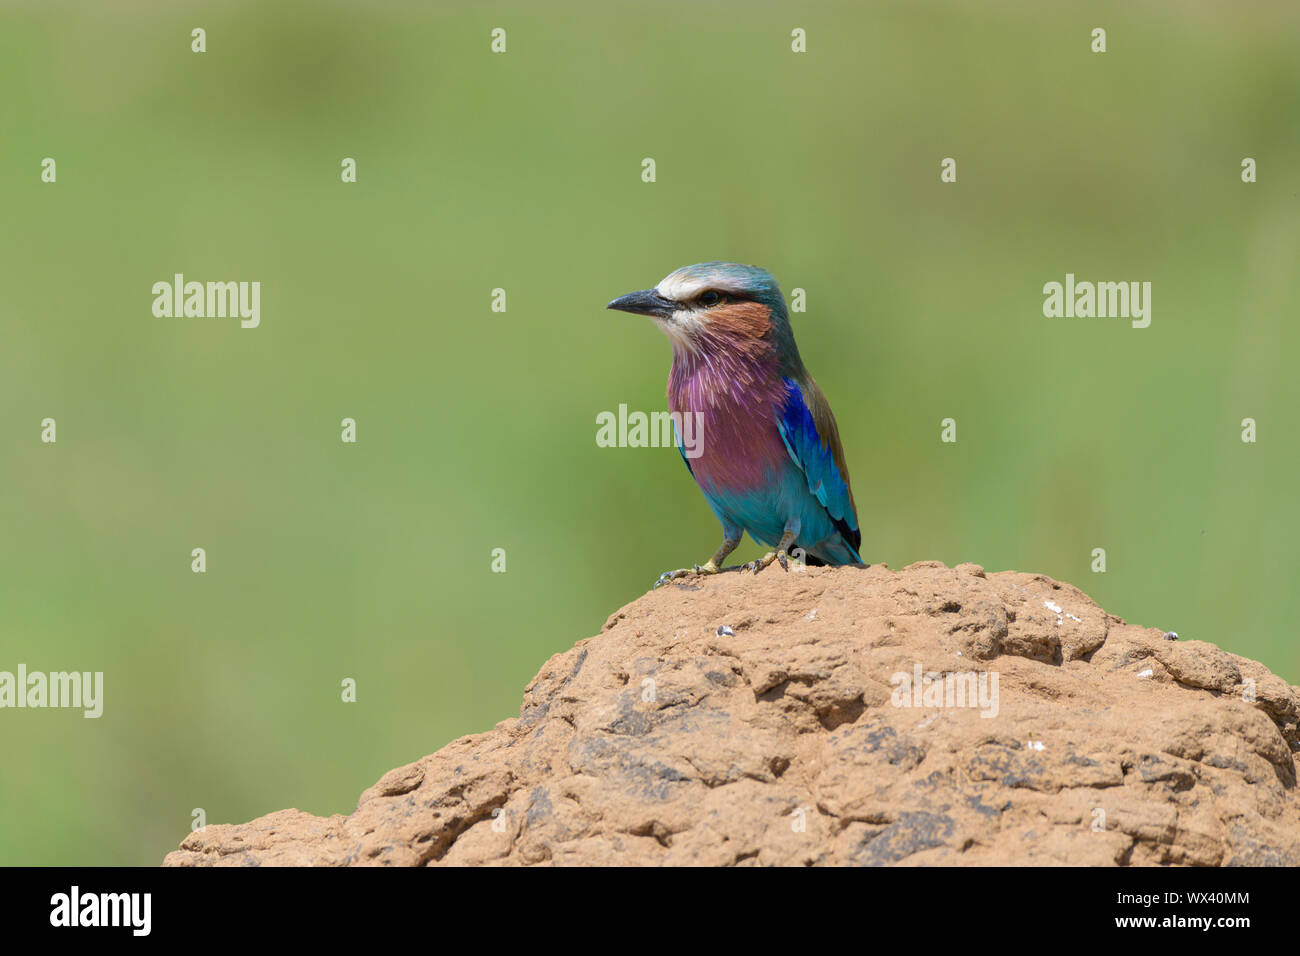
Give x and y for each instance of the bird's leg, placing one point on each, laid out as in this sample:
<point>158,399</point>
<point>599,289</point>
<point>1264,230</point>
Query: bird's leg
<point>730,541</point>
<point>780,554</point>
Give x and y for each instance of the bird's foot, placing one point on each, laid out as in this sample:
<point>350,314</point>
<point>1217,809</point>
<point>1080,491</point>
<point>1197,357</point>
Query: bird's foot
<point>767,559</point>
<point>709,568</point>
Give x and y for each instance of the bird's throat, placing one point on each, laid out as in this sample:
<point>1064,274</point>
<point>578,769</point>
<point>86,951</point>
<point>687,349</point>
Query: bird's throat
<point>734,395</point>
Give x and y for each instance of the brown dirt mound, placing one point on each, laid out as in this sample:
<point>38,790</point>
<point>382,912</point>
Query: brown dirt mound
<point>763,719</point>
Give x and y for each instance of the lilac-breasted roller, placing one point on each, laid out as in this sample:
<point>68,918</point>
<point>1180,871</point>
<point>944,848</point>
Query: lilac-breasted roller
<point>770,460</point>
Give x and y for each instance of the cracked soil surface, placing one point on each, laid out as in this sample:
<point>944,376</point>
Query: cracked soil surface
<point>794,740</point>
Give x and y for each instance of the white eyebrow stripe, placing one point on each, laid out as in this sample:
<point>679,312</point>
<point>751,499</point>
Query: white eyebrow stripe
<point>679,288</point>
<point>683,287</point>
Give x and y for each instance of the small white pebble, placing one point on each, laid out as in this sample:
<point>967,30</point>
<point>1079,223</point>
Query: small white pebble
<point>1146,673</point>
<point>1034,744</point>
<point>812,615</point>
<point>724,631</point>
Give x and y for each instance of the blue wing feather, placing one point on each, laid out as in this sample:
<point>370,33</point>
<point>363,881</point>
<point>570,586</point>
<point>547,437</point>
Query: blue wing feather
<point>681,448</point>
<point>816,460</point>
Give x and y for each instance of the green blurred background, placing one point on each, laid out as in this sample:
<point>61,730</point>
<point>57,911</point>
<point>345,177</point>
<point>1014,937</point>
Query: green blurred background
<point>476,430</point>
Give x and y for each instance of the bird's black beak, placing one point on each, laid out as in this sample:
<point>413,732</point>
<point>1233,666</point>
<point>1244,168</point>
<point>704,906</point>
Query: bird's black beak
<point>645,302</point>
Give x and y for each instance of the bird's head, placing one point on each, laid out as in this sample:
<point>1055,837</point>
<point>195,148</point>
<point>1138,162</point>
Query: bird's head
<point>714,303</point>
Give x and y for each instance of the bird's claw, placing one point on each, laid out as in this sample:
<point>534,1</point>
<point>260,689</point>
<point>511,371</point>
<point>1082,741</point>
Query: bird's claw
<point>780,556</point>
<point>709,568</point>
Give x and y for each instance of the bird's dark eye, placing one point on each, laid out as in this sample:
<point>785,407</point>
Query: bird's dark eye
<point>710,298</point>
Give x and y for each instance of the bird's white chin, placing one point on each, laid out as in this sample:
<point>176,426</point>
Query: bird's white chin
<point>683,329</point>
